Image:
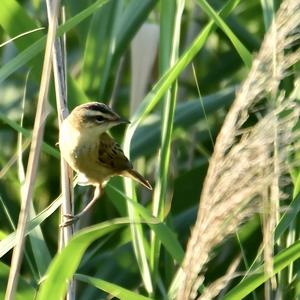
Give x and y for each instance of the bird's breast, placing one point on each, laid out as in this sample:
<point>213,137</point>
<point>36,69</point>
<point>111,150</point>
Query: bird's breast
<point>76,146</point>
<point>80,150</point>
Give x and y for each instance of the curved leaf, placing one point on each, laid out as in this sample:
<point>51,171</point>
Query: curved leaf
<point>65,263</point>
<point>111,288</point>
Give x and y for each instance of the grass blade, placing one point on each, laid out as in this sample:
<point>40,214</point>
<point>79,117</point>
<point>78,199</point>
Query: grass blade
<point>139,241</point>
<point>37,241</point>
<point>163,232</point>
<point>240,48</point>
<point>33,47</point>
<point>65,263</point>
<point>268,12</point>
<point>28,134</point>
<point>149,102</point>
<point>10,241</point>
<point>135,13</point>
<point>169,48</point>
<point>160,88</point>
<point>146,139</point>
<point>101,36</point>
<point>33,160</point>
<point>111,288</point>
<point>258,277</point>
<point>26,290</point>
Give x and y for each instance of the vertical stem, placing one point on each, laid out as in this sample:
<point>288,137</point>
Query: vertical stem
<point>272,202</point>
<point>59,70</point>
<point>170,34</point>
<point>33,160</point>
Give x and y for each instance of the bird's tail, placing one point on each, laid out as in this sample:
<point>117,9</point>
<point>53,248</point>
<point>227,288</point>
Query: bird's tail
<point>138,177</point>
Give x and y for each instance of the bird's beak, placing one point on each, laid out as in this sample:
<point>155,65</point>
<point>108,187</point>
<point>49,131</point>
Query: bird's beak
<point>120,120</point>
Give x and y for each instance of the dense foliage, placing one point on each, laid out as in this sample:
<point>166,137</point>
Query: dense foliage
<point>172,67</point>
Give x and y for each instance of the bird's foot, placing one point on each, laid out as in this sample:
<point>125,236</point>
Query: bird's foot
<point>70,220</point>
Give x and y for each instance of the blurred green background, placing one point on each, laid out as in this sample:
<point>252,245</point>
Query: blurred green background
<point>115,55</point>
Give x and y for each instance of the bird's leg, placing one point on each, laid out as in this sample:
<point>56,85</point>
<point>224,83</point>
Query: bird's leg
<point>71,219</point>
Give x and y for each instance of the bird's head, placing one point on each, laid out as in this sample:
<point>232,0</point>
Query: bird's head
<point>95,115</point>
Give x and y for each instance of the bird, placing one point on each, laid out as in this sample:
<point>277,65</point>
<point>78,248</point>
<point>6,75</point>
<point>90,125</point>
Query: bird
<point>92,152</point>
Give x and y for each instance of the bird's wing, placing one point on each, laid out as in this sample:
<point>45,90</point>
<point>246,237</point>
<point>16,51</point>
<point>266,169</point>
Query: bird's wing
<point>111,155</point>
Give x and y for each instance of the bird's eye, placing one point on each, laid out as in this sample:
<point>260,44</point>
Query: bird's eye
<point>99,119</point>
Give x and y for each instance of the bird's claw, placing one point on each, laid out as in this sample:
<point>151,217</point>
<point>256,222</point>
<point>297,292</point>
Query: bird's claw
<point>71,220</point>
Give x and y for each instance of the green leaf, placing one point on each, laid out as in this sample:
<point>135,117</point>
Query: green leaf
<point>111,288</point>
<point>146,139</point>
<point>258,277</point>
<point>164,233</point>
<point>240,48</point>
<point>268,12</point>
<point>14,20</point>
<point>146,106</point>
<point>171,14</point>
<point>134,15</point>
<point>47,148</point>
<point>288,217</point>
<point>36,46</point>
<point>164,83</point>
<point>127,24</point>
<point>22,21</point>
<point>10,241</point>
<point>99,49</point>
<point>25,290</point>
<point>65,263</point>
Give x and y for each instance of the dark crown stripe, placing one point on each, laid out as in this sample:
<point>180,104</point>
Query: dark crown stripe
<point>99,107</point>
